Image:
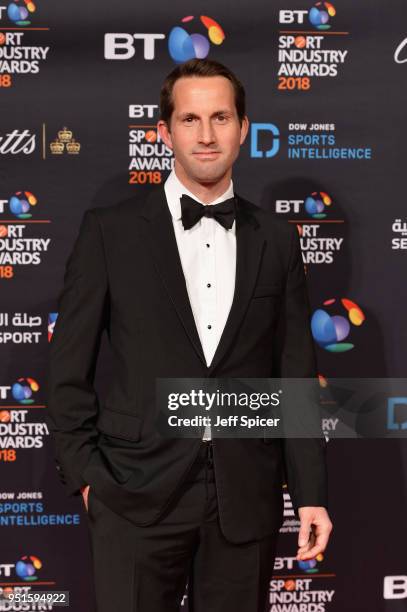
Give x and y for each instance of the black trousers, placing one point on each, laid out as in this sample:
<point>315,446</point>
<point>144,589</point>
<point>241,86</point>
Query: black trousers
<point>151,569</point>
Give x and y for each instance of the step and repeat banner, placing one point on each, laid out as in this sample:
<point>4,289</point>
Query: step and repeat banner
<point>326,97</point>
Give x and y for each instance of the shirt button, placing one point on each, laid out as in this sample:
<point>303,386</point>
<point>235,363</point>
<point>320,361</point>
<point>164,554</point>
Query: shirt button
<point>208,245</point>
<point>208,285</point>
<point>209,326</point>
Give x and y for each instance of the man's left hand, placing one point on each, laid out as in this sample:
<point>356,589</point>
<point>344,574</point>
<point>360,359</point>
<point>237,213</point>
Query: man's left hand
<point>314,532</point>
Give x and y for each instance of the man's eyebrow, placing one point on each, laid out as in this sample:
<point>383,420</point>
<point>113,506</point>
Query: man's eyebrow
<point>187,114</point>
<point>218,112</point>
<point>222,111</point>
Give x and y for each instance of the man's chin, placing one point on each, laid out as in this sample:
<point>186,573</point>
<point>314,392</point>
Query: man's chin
<point>209,175</point>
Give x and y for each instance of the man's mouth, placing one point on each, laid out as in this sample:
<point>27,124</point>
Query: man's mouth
<point>207,154</point>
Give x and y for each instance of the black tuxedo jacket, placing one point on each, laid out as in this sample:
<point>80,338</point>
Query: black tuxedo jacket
<point>124,275</point>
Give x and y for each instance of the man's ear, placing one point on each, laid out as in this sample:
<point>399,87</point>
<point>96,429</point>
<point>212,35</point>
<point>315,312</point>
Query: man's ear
<point>165,133</point>
<point>244,129</point>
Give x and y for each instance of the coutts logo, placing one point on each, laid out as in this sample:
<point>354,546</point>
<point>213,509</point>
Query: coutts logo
<point>17,141</point>
<point>398,57</point>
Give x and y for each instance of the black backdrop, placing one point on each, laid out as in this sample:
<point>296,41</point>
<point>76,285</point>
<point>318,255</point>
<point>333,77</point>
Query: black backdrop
<point>69,124</point>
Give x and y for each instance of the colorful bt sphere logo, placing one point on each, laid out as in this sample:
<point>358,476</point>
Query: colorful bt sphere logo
<point>320,14</point>
<point>18,14</point>
<point>27,566</point>
<point>183,46</point>
<point>23,390</point>
<point>20,204</point>
<point>329,330</point>
<point>310,566</point>
<point>316,204</point>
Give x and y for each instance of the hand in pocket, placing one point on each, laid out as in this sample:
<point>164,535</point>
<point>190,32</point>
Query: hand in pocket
<point>85,493</point>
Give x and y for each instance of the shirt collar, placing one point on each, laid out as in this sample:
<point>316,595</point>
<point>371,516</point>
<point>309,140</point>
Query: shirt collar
<point>174,189</point>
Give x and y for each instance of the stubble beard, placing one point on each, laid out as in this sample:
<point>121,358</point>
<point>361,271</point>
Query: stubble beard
<point>208,172</point>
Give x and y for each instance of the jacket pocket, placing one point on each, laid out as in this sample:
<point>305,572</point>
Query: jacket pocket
<point>119,425</point>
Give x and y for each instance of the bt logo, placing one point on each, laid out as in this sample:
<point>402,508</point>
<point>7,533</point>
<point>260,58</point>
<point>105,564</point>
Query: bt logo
<point>332,324</point>
<point>287,16</point>
<point>27,567</point>
<point>182,46</point>
<point>319,15</point>
<point>289,563</point>
<point>21,204</point>
<point>18,11</point>
<point>395,587</point>
<point>121,46</point>
<point>315,205</point>
<point>23,389</point>
<point>139,111</point>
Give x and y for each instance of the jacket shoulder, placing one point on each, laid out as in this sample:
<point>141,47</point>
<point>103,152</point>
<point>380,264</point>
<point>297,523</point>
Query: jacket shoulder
<point>118,209</point>
<point>144,203</point>
<point>273,226</point>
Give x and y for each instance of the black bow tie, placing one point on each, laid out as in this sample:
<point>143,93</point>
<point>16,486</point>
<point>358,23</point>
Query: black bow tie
<point>193,211</point>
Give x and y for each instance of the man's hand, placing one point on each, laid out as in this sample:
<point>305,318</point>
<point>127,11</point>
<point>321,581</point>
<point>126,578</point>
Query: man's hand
<point>316,519</point>
<point>85,491</point>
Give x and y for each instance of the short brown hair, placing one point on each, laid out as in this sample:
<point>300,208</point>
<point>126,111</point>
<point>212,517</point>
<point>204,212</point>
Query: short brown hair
<point>199,68</point>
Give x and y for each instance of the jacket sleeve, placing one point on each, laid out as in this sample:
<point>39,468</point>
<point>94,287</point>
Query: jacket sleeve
<point>304,458</point>
<point>82,315</point>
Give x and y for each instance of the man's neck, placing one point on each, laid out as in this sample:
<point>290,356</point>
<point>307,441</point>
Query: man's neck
<point>206,192</point>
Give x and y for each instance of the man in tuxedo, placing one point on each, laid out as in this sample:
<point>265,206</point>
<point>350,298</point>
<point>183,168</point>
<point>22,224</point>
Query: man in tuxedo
<point>194,282</point>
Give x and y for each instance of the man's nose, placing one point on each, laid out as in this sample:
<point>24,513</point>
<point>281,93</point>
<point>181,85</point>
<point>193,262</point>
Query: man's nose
<point>206,133</point>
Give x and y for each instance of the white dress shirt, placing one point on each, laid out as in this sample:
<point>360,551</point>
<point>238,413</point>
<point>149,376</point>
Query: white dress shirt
<point>208,257</point>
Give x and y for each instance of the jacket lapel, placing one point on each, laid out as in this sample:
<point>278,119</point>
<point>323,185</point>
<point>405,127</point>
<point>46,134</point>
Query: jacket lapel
<point>160,238</point>
<point>249,248</point>
<point>163,244</point>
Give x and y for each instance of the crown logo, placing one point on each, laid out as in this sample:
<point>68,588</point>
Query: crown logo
<point>73,147</point>
<point>57,148</point>
<point>65,135</point>
<point>65,142</point>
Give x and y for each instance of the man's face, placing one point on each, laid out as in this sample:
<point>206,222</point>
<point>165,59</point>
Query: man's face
<point>205,131</point>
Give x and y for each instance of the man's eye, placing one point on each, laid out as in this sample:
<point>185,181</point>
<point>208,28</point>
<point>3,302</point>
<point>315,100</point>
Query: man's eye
<point>221,117</point>
<point>188,119</point>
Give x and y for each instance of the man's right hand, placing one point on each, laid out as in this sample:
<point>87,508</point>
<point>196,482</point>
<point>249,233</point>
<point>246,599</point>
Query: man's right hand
<point>85,492</point>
